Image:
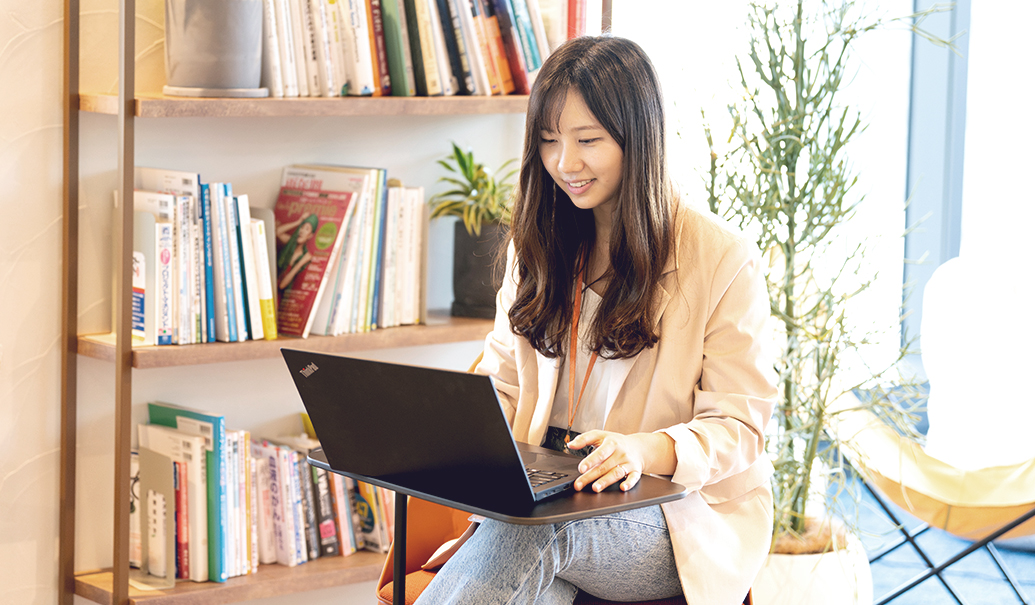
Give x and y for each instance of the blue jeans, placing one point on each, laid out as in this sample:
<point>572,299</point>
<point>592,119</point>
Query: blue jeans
<point>625,556</point>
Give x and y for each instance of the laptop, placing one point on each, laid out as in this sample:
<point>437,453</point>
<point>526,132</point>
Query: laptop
<point>438,434</point>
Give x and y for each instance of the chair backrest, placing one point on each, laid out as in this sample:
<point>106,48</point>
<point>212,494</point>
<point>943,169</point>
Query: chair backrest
<point>966,503</point>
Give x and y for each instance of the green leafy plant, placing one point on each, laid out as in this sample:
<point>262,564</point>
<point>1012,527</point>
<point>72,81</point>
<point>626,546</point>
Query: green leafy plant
<point>787,179</point>
<point>477,196</point>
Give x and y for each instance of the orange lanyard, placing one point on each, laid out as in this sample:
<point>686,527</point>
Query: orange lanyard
<point>573,404</point>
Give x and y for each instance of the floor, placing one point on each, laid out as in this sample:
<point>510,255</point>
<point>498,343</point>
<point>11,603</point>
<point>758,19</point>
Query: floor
<point>975,579</point>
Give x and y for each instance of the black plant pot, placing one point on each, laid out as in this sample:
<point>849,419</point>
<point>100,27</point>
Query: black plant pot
<point>474,261</point>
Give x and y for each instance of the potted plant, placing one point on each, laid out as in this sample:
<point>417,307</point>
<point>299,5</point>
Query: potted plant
<point>786,180</point>
<point>483,202</point>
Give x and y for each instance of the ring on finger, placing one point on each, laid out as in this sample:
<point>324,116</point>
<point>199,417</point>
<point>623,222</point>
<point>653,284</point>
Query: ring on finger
<point>625,473</point>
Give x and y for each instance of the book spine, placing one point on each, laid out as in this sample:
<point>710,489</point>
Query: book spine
<point>336,32</point>
<point>285,37</point>
<point>461,10</point>
<point>267,542</point>
<point>576,18</point>
<point>329,85</point>
<point>526,35</point>
<point>184,276</point>
<point>342,514</point>
<point>512,46</point>
<point>456,63</point>
<point>397,49</point>
<point>535,13</point>
<point>447,77</point>
<point>180,488</point>
<point>359,60</point>
<point>497,47</point>
<point>428,52</point>
<point>309,47</point>
<point>379,47</point>
<point>250,271</point>
<point>264,281</point>
<point>486,48</point>
<point>312,528</point>
<point>298,36</point>
<point>329,540</point>
<point>272,76</point>
<point>164,282</point>
<point>233,238</point>
<point>210,299</point>
<point>139,305</point>
<point>297,511</point>
<point>253,514</point>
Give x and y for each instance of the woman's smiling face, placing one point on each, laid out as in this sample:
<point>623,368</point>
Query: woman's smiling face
<point>582,157</point>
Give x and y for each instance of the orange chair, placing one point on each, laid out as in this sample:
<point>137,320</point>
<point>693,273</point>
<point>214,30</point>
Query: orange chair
<point>429,526</point>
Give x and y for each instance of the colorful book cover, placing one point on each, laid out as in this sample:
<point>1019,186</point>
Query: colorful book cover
<point>397,49</point>
<point>205,208</point>
<point>308,237</point>
<point>213,428</point>
<point>526,35</point>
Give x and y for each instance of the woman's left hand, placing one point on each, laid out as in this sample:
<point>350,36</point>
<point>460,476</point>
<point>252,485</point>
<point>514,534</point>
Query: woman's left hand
<point>624,458</point>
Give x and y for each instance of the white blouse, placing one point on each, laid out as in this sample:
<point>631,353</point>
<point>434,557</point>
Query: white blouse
<point>594,408</point>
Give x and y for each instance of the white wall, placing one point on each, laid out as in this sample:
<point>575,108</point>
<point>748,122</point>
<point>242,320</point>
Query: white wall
<point>248,152</point>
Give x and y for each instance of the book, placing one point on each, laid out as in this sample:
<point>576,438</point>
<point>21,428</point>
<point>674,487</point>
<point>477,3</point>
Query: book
<point>232,233</point>
<point>250,271</point>
<point>512,47</point>
<point>497,47</point>
<point>359,65</point>
<point>336,32</point>
<point>310,522</point>
<point>264,280</point>
<point>525,33</point>
<point>328,81</point>
<point>299,34</point>
<point>343,514</point>
<point>373,525</point>
<point>188,448</point>
<point>447,77</point>
<point>576,18</point>
<point>181,520</point>
<point>208,246</point>
<point>535,15</point>
<point>310,49</point>
<point>397,49</point>
<point>224,324</point>
<point>163,207</point>
<point>158,528</point>
<point>267,549</point>
<point>212,427</point>
<point>325,514</point>
<point>309,236</point>
<point>285,38</point>
<point>281,504</point>
<point>135,556</point>
<point>272,72</point>
<point>340,301</point>
<point>487,47</point>
<point>289,470</point>
<point>456,51</point>
<point>379,58</point>
<point>422,47</point>
<point>475,46</point>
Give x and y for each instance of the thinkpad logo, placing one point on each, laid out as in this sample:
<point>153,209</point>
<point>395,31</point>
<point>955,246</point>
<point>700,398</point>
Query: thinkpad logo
<point>309,369</point>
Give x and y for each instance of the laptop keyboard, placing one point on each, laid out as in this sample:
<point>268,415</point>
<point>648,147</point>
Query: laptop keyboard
<point>537,477</point>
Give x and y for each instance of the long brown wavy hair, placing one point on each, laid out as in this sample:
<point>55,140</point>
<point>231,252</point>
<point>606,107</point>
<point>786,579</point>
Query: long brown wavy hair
<point>552,237</point>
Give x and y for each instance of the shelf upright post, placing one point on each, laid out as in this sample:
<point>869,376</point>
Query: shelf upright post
<point>69,302</point>
<point>123,304</point>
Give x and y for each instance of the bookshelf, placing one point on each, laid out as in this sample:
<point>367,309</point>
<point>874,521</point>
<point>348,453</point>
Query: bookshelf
<point>111,586</point>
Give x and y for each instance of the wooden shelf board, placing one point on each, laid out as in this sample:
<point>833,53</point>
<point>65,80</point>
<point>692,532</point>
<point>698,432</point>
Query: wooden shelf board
<point>439,329</point>
<point>160,106</point>
<point>270,581</point>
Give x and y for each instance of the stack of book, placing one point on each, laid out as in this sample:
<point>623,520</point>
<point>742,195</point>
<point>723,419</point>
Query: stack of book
<point>351,250</point>
<point>342,251</point>
<point>234,502</point>
<point>201,262</point>
<point>331,48</point>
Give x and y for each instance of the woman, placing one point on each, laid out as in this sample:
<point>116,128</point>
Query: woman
<point>669,378</point>
<point>294,254</point>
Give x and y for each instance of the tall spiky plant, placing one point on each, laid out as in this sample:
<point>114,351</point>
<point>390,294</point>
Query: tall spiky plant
<point>788,180</point>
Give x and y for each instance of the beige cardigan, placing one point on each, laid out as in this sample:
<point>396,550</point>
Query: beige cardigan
<point>708,383</point>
